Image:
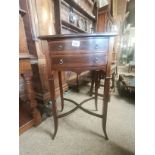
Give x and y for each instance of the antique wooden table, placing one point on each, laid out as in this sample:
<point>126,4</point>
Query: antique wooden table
<point>79,52</point>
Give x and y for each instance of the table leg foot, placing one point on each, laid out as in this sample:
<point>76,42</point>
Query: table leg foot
<point>55,119</point>
<point>104,118</point>
<point>54,107</point>
<point>104,128</point>
<point>105,104</point>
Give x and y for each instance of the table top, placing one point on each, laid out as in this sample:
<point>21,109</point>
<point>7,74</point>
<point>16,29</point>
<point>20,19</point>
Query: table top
<point>78,35</point>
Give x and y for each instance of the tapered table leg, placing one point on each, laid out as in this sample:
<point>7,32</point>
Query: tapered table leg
<point>54,110</point>
<point>104,120</point>
<point>105,105</point>
<point>96,88</point>
<point>54,107</point>
<point>99,78</point>
<point>92,83</point>
<point>61,90</point>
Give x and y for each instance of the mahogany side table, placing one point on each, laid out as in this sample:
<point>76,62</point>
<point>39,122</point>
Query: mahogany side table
<point>78,53</point>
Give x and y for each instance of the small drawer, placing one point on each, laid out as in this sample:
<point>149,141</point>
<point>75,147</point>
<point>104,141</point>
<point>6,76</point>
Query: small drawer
<point>79,46</point>
<point>77,61</point>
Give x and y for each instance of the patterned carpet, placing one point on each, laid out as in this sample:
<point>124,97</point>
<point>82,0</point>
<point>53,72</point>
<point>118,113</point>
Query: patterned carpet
<point>81,134</point>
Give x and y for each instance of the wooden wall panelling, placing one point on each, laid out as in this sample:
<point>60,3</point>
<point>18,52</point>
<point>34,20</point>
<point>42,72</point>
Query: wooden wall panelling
<point>39,21</point>
<point>65,13</point>
<point>95,12</point>
<point>28,112</point>
<point>45,15</point>
<point>57,13</point>
<point>105,23</point>
<point>32,47</point>
<point>102,19</point>
<point>82,13</point>
<point>22,41</point>
<point>118,12</point>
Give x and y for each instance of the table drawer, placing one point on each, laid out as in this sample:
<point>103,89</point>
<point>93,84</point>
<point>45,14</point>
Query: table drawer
<point>77,61</point>
<point>80,45</point>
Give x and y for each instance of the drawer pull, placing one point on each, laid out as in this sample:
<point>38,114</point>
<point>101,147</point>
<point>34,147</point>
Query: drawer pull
<point>61,61</point>
<point>95,59</point>
<point>60,47</point>
<point>96,46</point>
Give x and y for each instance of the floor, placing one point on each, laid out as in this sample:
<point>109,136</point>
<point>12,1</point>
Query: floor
<point>81,134</point>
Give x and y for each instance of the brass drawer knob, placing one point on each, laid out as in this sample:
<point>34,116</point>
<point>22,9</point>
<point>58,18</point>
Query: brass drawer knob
<point>61,61</point>
<point>96,46</point>
<point>95,59</point>
<point>60,47</point>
